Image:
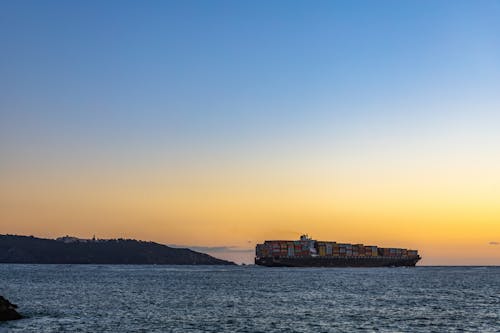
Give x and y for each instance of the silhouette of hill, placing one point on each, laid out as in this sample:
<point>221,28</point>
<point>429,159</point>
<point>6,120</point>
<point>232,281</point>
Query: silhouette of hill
<point>33,250</point>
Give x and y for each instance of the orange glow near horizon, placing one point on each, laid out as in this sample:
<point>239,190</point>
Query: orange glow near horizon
<point>448,219</point>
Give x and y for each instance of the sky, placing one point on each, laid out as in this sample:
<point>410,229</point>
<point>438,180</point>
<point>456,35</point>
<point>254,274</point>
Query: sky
<point>219,124</point>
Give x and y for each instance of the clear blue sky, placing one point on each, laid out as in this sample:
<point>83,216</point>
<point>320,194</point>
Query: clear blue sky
<point>233,68</point>
<point>137,86</point>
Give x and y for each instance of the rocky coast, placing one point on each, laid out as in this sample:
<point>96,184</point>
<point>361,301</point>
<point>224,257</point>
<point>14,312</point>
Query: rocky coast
<point>8,310</point>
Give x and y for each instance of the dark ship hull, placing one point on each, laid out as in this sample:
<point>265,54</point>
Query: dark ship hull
<point>336,262</point>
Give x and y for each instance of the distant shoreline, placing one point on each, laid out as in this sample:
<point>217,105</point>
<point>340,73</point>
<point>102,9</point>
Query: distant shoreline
<point>16,249</point>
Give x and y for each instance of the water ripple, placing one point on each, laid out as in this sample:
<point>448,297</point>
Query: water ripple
<point>87,298</point>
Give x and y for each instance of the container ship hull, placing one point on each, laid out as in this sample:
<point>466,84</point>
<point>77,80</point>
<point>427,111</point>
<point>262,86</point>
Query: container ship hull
<point>337,262</point>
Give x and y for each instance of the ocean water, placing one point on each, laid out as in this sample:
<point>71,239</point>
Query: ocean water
<point>107,298</point>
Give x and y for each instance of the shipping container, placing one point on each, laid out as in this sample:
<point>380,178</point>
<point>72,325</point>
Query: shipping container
<point>329,249</point>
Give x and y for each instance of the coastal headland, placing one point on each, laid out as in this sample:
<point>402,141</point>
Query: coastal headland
<point>71,250</point>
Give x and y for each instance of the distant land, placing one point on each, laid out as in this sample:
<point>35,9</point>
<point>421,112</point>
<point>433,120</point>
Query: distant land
<point>72,250</point>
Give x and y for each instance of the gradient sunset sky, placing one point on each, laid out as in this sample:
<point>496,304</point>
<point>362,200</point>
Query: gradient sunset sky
<point>221,124</point>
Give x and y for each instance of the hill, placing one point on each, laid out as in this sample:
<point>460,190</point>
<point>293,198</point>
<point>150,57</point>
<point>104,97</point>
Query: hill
<point>33,250</point>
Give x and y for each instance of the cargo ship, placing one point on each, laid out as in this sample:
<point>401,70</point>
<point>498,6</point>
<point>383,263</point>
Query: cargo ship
<point>308,252</point>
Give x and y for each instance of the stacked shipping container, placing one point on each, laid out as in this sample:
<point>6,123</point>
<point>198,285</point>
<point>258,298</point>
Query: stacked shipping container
<point>311,248</point>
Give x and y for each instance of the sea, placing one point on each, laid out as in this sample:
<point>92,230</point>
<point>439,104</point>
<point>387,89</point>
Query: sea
<point>113,298</point>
